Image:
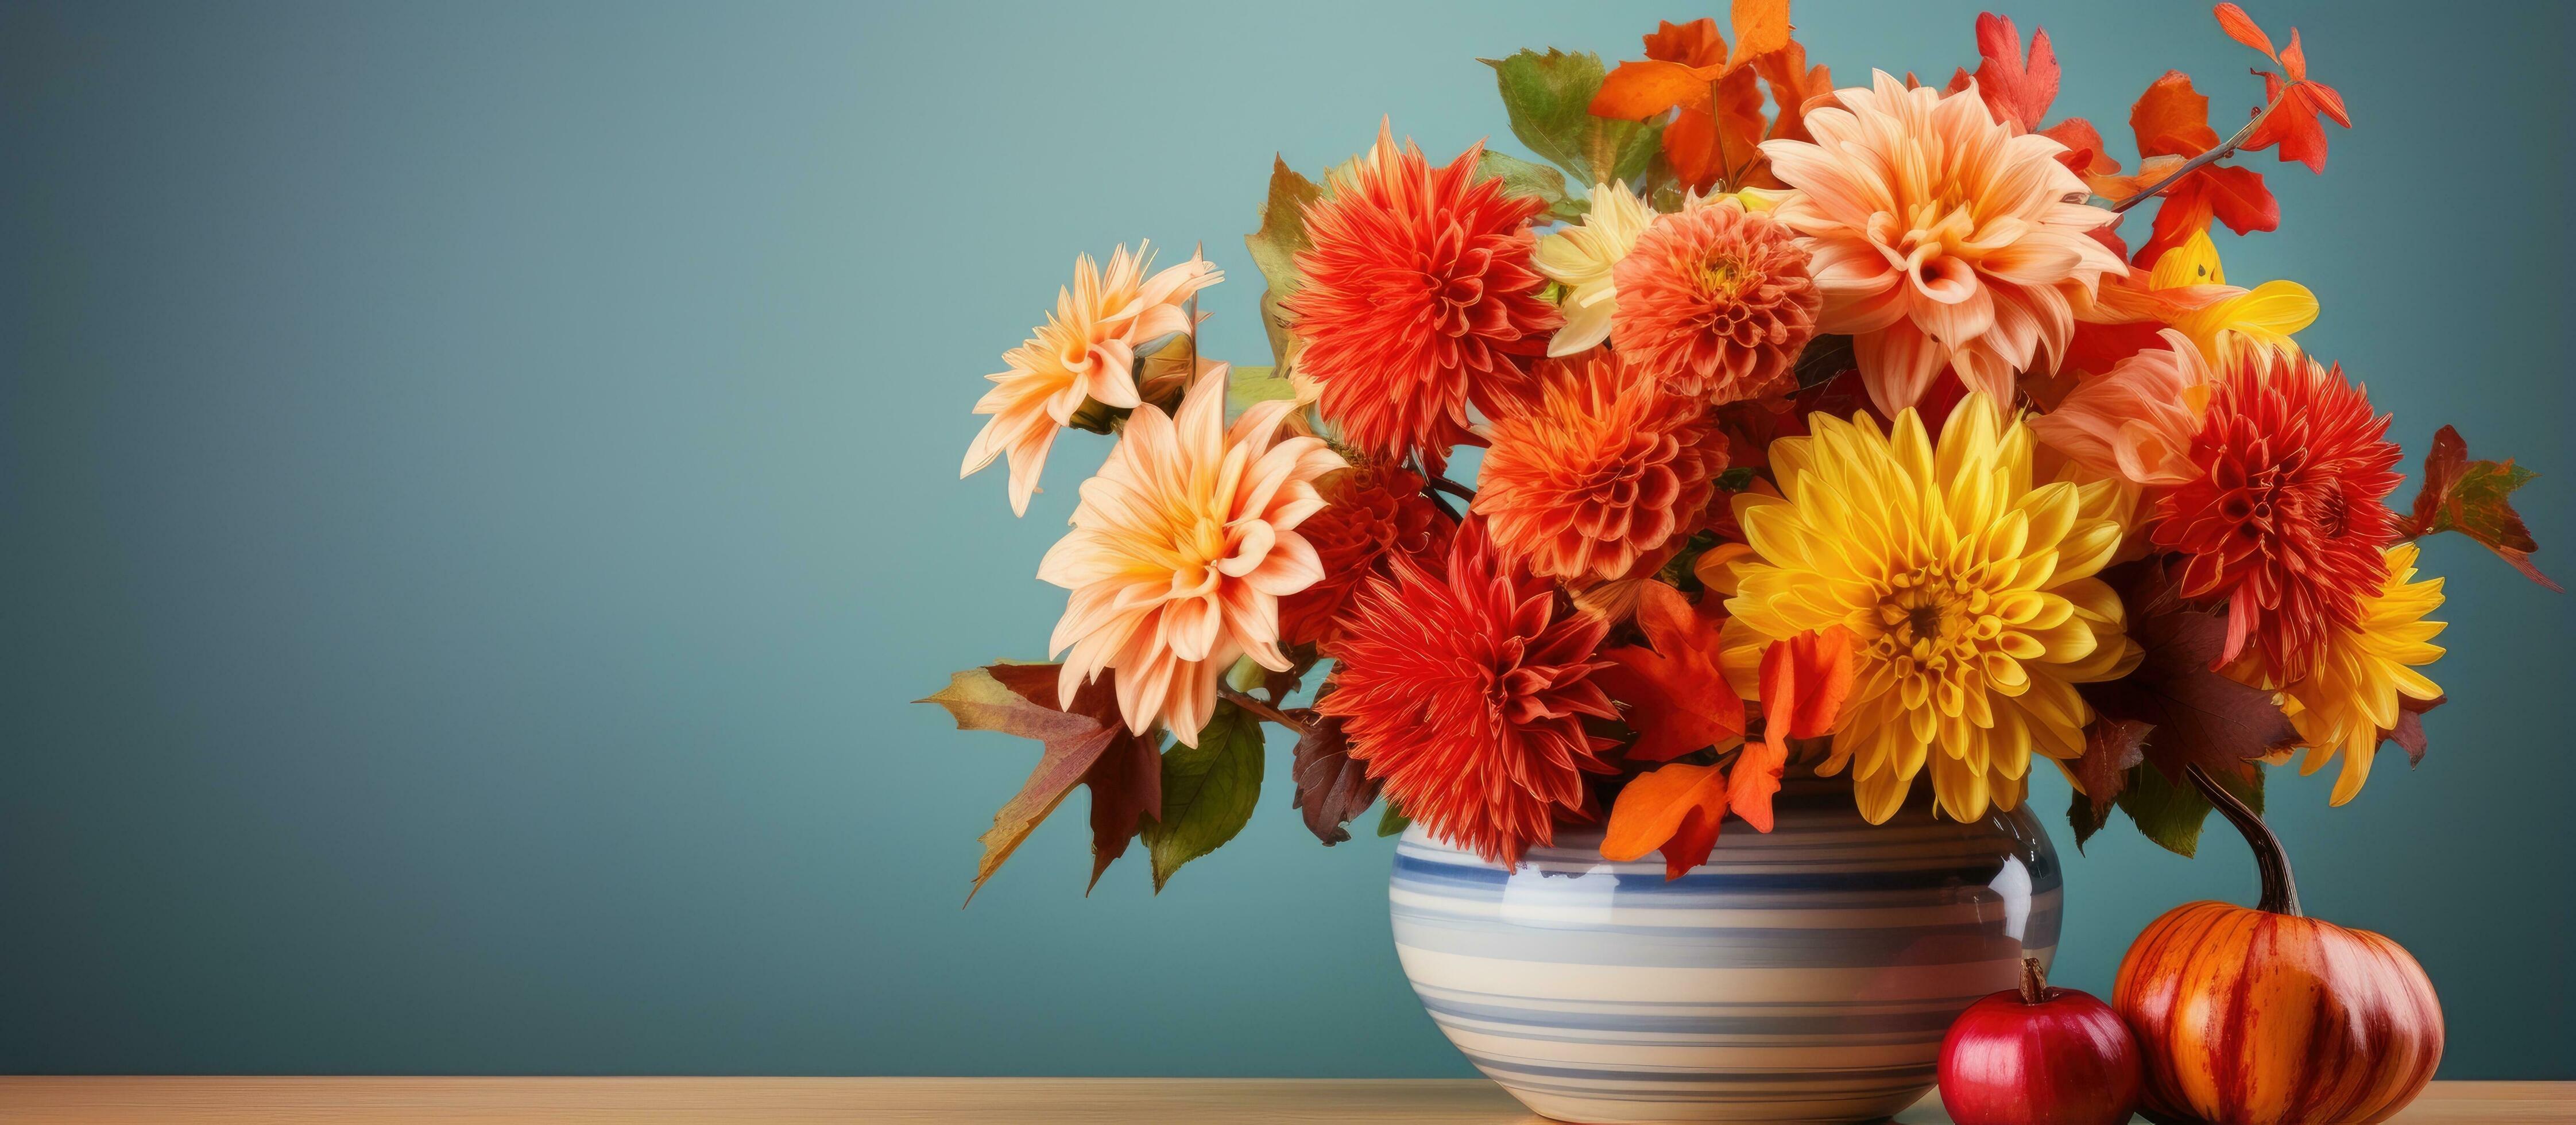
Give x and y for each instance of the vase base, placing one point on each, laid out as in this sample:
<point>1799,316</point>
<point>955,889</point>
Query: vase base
<point>1579,1110</point>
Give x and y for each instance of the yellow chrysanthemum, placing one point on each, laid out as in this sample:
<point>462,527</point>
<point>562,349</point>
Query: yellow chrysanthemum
<point>1970,591</point>
<point>2350,701</point>
<point>2233,318</point>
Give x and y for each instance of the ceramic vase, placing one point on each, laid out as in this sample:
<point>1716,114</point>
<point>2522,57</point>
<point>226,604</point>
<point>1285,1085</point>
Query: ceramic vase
<point>1803,975</point>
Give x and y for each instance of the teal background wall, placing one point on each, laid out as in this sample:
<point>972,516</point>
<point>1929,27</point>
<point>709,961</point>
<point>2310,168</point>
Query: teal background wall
<point>477,489</point>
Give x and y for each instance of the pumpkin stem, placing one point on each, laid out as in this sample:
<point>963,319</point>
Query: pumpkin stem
<point>2280,894</point>
<point>2034,982</point>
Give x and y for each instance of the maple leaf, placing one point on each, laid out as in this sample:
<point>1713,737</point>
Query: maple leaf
<point>1332,787</point>
<point>2171,121</point>
<point>1085,744</point>
<point>2475,498</point>
<point>2015,87</point>
<point>1676,692</point>
<point>1793,84</point>
<point>2111,747</point>
<point>2199,715</point>
<point>2293,123</point>
<point>1715,96</point>
<point>1674,809</point>
<point>1804,681</point>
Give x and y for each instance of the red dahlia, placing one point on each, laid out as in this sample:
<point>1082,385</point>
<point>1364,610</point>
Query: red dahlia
<point>1373,512</point>
<point>1418,299</point>
<point>1465,693</point>
<point>2285,520</point>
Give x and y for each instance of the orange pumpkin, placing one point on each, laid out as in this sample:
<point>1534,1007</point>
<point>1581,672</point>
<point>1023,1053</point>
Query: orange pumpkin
<point>2268,1017</point>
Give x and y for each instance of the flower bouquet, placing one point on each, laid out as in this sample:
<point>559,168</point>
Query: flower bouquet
<point>1832,430</point>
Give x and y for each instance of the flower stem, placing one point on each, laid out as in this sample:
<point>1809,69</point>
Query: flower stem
<point>1260,709</point>
<point>1451,487</point>
<point>2280,893</point>
<point>2208,158</point>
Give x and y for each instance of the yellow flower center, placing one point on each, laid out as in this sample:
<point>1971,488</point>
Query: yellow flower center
<point>1723,278</point>
<point>1933,628</point>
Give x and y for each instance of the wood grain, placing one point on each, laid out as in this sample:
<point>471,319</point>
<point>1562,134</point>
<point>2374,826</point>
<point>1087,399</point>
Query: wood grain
<point>945,1101</point>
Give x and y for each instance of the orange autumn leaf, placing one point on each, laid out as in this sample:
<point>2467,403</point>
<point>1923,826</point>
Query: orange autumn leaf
<point>1694,44</point>
<point>1635,91</point>
<point>1804,681</point>
<point>1675,809</point>
<point>2171,121</point>
<point>2085,153</point>
<point>1793,84</point>
<point>2293,125</point>
<point>1677,696</point>
<point>2016,87</point>
<point>1761,27</point>
<point>1703,148</point>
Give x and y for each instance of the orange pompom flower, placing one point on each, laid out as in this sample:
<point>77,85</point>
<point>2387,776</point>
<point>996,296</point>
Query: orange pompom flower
<point>1373,512</point>
<point>1419,298</point>
<point>1604,469</point>
<point>1715,301</point>
<point>2285,519</point>
<point>1465,693</point>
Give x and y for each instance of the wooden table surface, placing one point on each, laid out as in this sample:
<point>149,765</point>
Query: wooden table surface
<point>985,1101</point>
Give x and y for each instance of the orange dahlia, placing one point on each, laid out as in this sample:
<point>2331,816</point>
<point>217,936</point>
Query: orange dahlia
<point>1465,693</point>
<point>1942,238</point>
<point>2285,519</point>
<point>1604,468</point>
<point>1372,512</point>
<point>1716,302</point>
<point>1419,297</point>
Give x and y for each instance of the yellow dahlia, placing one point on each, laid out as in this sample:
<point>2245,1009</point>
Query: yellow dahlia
<point>1180,551</point>
<point>2234,318</point>
<point>2349,700</point>
<point>1941,238</point>
<point>1579,258</point>
<point>1087,350</point>
<point>1969,590</point>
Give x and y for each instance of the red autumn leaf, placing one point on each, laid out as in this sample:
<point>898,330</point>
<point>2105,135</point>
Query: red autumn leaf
<point>2111,746</point>
<point>1804,681</point>
<point>2293,124</point>
<point>1085,744</point>
<point>1676,692</point>
<point>2015,87</point>
<point>1693,44</point>
<point>2200,716</point>
<point>1332,786</point>
<point>2171,121</point>
<point>1675,809</point>
<point>2232,195</point>
<point>2475,498</point>
<point>2408,734</point>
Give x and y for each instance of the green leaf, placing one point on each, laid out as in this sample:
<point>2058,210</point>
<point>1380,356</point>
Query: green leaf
<point>1392,822</point>
<point>1283,227</point>
<point>2170,813</point>
<point>1209,791</point>
<point>1520,177</point>
<point>1549,98</point>
<point>1247,385</point>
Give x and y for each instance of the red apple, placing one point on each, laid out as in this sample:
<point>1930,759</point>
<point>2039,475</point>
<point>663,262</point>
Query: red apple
<point>2040,1056</point>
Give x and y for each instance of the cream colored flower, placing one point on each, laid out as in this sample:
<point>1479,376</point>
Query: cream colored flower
<point>1579,258</point>
<point>1941,238</point>
<point>1181,548</point>
<point>1087,350</point>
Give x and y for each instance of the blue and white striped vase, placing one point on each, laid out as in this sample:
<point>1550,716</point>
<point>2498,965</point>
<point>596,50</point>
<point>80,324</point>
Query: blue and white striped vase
<point>1804,975</point>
